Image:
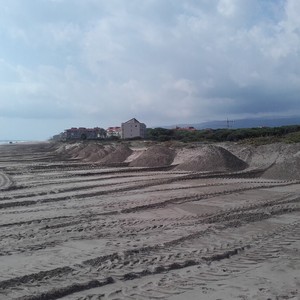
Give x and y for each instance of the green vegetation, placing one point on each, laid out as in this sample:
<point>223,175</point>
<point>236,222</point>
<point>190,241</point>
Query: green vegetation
<point>293,137</point>
<point>264,135</point>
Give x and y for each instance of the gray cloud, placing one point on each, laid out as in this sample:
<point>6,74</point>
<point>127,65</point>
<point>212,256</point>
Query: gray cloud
<point>163,61</point>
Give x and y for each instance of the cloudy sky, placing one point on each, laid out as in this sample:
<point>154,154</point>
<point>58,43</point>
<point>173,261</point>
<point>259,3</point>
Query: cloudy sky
<point>70,63</point>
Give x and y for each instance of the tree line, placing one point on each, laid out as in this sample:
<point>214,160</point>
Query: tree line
<point>222,135</point>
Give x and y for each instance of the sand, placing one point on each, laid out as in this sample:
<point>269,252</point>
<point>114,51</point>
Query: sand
<point>155,156</point>
<point>73,227</point>
<point>213,159</point>
<point>280,161</point>
<point>117,155</point>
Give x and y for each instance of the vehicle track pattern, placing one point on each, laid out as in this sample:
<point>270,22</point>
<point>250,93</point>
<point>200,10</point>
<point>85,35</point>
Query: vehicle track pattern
<point>86,231</point>
<point>252,250</point>
<point>5,181</point>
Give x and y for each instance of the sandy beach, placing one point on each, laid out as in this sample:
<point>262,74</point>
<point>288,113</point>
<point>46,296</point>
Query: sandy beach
<point>120,221</point>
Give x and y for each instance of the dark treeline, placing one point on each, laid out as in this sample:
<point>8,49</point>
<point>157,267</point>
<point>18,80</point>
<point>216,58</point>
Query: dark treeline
<point>222,135</point>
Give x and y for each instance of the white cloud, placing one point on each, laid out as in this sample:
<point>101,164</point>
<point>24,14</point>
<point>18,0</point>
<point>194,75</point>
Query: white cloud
<point>165,61</point>
<point>227,7</point>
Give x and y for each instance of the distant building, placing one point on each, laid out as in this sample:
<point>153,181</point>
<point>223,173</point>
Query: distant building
<point>133,129</point>
<point>82,133</point>
<point>114,132</point>
<point>185,128</point>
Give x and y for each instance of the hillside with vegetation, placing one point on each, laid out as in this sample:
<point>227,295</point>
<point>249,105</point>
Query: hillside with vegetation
<point>288,134</point>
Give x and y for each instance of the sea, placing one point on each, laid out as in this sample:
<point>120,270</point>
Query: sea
<point>7,142</point>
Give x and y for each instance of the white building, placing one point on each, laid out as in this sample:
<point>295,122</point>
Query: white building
<point>113,132</point>
<point>133,129</point>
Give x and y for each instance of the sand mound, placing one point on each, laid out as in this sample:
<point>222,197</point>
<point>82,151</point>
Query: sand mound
<point>97,153</point>
<point>287,170</point>
<point>135,154</point>
<point>214,159</point>
<point>91,152</point>
<point>287,165</point>
<point>118,155</point>
<point>258,156</point>
<point>281,161</point>
<point>85,151</point>
<point>68,150</point>
<point>156,156</point>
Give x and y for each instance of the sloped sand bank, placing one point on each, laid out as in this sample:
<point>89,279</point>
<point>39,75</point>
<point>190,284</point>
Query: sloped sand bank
<point>280,161</point>
<point>95,152</point>
<point>118,155</point>
<point>213,159</point>
<point>277,161</point>
<point>156,156</point>
<point>286,170</point>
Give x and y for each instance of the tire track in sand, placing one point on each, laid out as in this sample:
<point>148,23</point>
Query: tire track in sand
<point>5,181</point>
<point>247,255</point>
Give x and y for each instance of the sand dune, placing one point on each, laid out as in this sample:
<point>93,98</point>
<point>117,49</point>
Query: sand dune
<point>155,156</point>
<point>213,159</point>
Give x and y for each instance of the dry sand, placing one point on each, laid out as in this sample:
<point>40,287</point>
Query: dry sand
<point>213,159</point>
<point>72,227</point>
<point>155,156</point>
